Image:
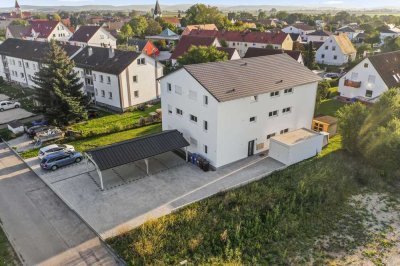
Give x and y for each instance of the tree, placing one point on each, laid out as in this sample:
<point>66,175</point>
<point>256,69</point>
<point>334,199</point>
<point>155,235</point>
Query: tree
<point>138,25</point>
<point>19,22</point>
<point>58,88</point>
<point>391,44</point>
<point>126,31</point>
<point>351,119</point>
<point>202,54</point>
<point>202,14</point>
<point>56,17</point>
<point>153,27</point>
<point>309,56</point>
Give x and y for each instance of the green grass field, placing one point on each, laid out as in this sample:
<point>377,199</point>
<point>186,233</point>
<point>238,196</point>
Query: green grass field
<point>7,256</point>
<point>112,122</point>
<point>275,221</point>
<point>97,141</point>
<point>328,107</point>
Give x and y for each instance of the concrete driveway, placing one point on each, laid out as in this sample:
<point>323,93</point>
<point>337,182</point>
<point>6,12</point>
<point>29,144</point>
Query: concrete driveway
<point>41,227</point>
<point>14,114</point>
<point>122,207</point>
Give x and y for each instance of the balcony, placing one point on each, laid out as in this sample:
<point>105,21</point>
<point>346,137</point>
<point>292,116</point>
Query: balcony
<point>352,83</point>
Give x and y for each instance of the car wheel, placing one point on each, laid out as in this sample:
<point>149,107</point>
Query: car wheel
<point>77,160</point>
<point>1,110</point>
<point>54,167</point>
<point>17,106</point>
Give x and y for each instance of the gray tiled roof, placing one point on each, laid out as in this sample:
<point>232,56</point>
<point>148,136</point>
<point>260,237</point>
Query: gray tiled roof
<point>137,149</point>
<point>388,66</point>
<point>237,79</point>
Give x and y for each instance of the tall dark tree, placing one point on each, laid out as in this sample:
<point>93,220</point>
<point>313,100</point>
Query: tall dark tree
<point>58,88</point>
<point>309,56</point>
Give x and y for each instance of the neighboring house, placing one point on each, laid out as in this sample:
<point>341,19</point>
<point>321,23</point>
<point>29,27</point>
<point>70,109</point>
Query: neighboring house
<point>390,33</point>
<point>113,78</point>
<point>144,46</point>
<point>337,50</point>
<point>229,110</point>
<point>295,37</point>
<point>93,36</point>
<point>232,53</point>
<point>318,36</point>
<point>189,28</point>
<point>46,30</point>
<point>18,31</point>
<point>241,41</point>
<point>188,41</point>
<point>299,28</point>
<point>254,52</point>
<point>351,30</point>
<point>173,20</point>
<point>270,23</point>
<point>371,77</point>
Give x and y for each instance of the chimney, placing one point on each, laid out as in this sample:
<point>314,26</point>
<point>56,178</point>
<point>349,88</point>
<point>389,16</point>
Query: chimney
<point>90,51</point>
<point>110,52</point>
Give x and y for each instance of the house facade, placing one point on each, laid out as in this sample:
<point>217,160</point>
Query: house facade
<point>248,101</point>
<point>390,33</point>
<point>371,77</point>
<point>299,28</point>
<point>93,36</point>
<point>46,30</point>
<point>318,36</point>
<point>337,50</point>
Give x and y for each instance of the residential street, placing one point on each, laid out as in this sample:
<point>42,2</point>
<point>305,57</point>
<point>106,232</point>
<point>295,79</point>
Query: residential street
<point>41,227</point>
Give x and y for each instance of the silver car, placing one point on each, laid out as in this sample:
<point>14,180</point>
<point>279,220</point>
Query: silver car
<point>5,105</point>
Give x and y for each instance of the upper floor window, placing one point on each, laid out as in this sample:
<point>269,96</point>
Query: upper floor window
<point>205,125</point>
<point>283,131</point>
<point>371,79</point>
<point>333,48</point>
<point>326,47</point>
<point>169,87</point>
<point>273,113</point>
<point>103,93</point>
<point>366,65</point>
<point>193,118</point>
<point>179,111</point>
<point>252,119</point>
<point>286,110</point>
<point>101,78</point>
<point>178,90</point>
<point>136,94</point>
<point>110,95</point>
<point>274,94</point>
<point>354,76</point>
<point>270,135</point>
<point>135,79</point>
<point>141,61</point>
<point>108,79</point>
<point>205,100</point>
<point>287,91</point>
<point>254,98</point>
<point>26,64</point>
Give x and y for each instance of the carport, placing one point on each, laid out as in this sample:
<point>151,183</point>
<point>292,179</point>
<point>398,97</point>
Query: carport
<point>134,150</point>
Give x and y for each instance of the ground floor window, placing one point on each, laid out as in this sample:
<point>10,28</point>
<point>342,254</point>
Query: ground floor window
<point>368,93</point>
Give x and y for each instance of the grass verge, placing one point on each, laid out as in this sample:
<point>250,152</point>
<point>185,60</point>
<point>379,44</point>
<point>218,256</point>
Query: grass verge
<point>7,255</point>
<point>97,141</point>
<point>275,221</point>
<point>328,107</point>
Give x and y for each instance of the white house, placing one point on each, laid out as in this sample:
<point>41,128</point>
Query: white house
<point>229,110</point>
<point>253,52</point>
<point>351,30</point>
<point>318,36</point>
<point>371,77</point>
<point>337,50</point>
<point>390,33</point>
<point>46,30</point>
<point>115,79</point>
<point>299,28</point>
<point>93,36</point>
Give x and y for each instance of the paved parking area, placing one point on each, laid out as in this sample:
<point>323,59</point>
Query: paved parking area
<point>14,114</point>
<point>135,200</point>
<point>41,227</point>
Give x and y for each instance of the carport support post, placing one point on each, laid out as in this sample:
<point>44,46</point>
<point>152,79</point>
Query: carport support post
<point>147,165</point>
<point>186,153</point>
<point>97,170</point>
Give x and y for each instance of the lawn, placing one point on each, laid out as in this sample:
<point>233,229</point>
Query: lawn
<point>97,141</point>
<point>274,221</point>
<point>112,122</point>
<point>17,93</point>
<point>328,107</point>
<point>7,256</point>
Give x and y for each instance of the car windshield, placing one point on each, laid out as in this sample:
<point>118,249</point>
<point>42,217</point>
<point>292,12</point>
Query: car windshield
<point>44,160</point>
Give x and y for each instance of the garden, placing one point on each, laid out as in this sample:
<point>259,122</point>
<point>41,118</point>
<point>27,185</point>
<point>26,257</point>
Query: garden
<point>7,255</point>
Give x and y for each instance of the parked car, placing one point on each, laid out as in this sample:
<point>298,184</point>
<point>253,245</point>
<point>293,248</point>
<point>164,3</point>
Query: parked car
<point>41,122</point>
<point>332,75</point>
<point>32,131</point>
<point>93,113</point>
<point>54,148</point>
<point>5,105</point>
<point>59,159</point>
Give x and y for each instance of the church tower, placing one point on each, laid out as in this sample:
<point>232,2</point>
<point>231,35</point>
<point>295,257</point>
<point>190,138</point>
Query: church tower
<point>157,11</point>
<point>17,9</point>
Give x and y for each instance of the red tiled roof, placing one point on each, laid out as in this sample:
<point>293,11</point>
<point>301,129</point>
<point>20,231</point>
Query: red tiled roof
<point>187,41</point>
<point>172,20</point>
<point>250,37</point>
<point>44,28</point>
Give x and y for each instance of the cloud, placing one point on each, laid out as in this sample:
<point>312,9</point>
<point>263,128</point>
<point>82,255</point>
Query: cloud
<point>333,2</point>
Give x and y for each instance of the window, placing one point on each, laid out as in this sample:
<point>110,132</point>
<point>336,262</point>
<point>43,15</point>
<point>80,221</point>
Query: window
<point>94,77</point>
<point>89,82</point>
<point>30,77</point>
<point>366,65</point>
<point>371,79</point>
<point>254,98</point>
<point>205,100</point>
<point>334,57</point>
<point>368,93</point>
<point>283,131</point>
<point>178,90</point>
<point>96,92</point>
<point>205,125</point>
<point>101,78</point>
<point>110,95</point>
<point>20,63</point>
<point>274,94</point>
<point>108,80</point>
<point>354,76</point>
<point>135,79</point>
<point>326,47</point>
<point>273,113</point>
<point>318,127</point>
<point>141,61</point>
<point>193,118</point>
<point>270,135</point>
<point>26,64</point>
<point>103,93</point>
<point>286,110</point>
<point>192,95</point>
<point>136,94</point>
<point>22,75</point>
<point>169,109</point>
<point>169,87</point>
<point>179,111</point>
<point>205,149</point>
<point>322,55</point>
<point>193,141</point>
<point>287,91</point>
<point>252,119</point>
<point>333,48</point>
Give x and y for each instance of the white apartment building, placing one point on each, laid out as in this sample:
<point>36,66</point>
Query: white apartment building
<point>115,79</point>
<point>337,50</point>
<point>93,36</point>
<point>371,77</point>
<point>229,110</point>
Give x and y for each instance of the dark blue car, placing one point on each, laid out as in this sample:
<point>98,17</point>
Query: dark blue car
<point>59,159</point>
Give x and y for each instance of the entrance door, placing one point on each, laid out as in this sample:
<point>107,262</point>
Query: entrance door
<point>250,151</point>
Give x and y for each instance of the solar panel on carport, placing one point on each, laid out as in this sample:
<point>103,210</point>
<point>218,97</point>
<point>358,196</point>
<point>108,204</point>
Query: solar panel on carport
<point>137,149</point>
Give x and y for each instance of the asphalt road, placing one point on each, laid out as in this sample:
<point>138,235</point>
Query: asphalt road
<point>41,227</point>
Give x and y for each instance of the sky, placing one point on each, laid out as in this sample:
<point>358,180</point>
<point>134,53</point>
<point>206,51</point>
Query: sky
<point>333,3</point>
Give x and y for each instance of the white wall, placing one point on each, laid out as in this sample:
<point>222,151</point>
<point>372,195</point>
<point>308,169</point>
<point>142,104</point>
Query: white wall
<point>364,72</point>
<point>292,29</point>
<point>17,71</point>
<point>102,38</point>
<point>107,83</point>
<point>327,52</point>
<point>314,38</point>
<point>229,128</point>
